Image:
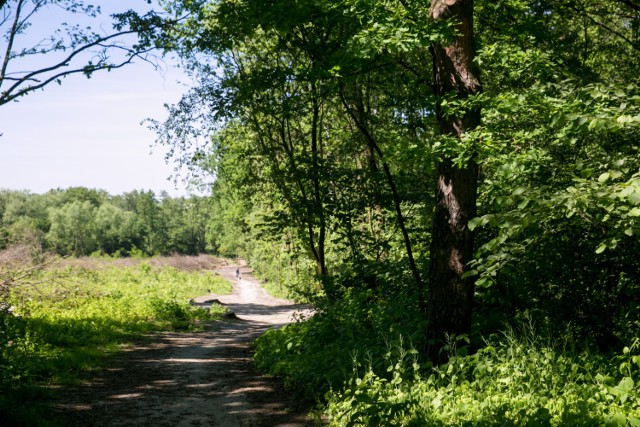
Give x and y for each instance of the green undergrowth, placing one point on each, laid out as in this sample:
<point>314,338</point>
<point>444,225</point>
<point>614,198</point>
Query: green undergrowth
<point>277,290</point>
<point>356,358</point>
<point>315,355</point>
<point>509,382</point>
<point>71,319</point>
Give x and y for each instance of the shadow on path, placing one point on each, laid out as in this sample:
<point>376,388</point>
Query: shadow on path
<point>195,378</point>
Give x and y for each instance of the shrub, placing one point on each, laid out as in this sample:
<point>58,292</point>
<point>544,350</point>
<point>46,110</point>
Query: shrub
<point>319,354</point>
<point>511,381</point>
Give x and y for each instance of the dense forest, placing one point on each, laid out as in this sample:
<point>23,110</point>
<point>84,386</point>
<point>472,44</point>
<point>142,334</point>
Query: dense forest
<point>454,185</point>
<point>431,177</point>
<point>79,221</point>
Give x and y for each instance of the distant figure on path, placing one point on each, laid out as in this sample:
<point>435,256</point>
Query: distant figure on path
<point>237,273</point>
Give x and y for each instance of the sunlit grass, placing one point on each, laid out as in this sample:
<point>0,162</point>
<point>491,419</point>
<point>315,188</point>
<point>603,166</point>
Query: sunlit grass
<point>76,316</point>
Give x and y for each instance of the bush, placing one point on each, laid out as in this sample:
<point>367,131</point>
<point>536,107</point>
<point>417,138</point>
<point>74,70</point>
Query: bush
<point>512,381</point>
<point>319,354</point>
<point>356,356</point>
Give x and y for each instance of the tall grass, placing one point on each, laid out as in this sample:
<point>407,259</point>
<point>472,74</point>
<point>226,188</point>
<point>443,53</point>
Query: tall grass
<point>62,328</point>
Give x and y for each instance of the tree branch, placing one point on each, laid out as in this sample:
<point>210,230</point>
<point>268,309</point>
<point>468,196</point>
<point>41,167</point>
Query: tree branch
<point>12,35</point>
<point>84,48</point>
<point>631,3</point>
<point>16,90</point>
<point>606,27</point>
<point>396,198</point>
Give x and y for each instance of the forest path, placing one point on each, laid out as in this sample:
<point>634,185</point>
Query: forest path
<point>203,378</point>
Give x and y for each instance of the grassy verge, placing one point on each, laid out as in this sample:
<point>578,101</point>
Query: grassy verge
<point>63,327</point>
<point>510,382</point>
<point>355,357</point>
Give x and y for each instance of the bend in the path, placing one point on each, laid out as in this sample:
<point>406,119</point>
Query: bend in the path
<point>250,302</point>
<point>194,379</point>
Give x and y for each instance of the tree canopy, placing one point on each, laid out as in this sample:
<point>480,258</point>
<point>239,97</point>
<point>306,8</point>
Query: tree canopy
<point>327,126</point>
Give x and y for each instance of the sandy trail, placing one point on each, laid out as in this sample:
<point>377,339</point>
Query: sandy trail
<point>194,378</point>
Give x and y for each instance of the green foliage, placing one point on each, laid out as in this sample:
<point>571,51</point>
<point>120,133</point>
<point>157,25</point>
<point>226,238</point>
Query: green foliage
<point>77,316</point>
<point>352,353</point>
<point>115,228</point>
<point>558,211</point>
<point>513,380</point>
<point>322,116</point>
<point>286,272</point>
<point>311,153</point>
<point>318,354</point>
<point>80,221</point>
<point>73,228</point>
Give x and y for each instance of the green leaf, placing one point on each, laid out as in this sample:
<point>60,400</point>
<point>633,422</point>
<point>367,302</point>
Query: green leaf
<point>601,248</point>
<point>586,173</point>
<point>474,222</point>
<point>633,421</point>
<point>626,384</point>
<point>581,121</point>
<point>634,212</point>
<point>604,177</point>
<point>469,273</point>
<point>483,282</point>
<point>616,420</point>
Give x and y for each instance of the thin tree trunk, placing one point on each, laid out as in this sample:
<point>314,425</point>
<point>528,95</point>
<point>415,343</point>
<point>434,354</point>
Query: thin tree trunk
<point>318,202</point>
<point>394,192</point>
<point>450,293</point>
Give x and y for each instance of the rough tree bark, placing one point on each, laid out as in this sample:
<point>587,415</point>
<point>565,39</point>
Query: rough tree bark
<point>450,294</point>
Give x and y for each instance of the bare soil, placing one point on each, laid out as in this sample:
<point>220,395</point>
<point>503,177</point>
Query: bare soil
<point>201,378</point>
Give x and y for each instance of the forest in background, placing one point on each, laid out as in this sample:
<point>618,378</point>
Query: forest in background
<point>79,221</point>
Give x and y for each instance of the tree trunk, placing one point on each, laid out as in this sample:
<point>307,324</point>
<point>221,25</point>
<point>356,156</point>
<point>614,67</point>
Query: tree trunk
<point>450,294</point>
<point>318,203</point>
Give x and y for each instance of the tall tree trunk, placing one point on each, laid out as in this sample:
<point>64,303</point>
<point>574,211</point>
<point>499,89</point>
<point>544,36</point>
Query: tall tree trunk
<point>318,204</point>
<point>450,294</point>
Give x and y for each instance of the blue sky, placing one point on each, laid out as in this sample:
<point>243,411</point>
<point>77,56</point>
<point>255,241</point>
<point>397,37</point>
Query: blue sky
<point>87,132</point>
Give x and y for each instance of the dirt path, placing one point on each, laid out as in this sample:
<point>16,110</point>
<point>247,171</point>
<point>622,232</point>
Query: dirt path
<point>194,378</point>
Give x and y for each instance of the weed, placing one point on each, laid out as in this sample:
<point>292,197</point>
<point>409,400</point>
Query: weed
<point>512,381</point>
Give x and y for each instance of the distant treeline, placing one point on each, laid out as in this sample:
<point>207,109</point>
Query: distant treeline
<point>80,221</point>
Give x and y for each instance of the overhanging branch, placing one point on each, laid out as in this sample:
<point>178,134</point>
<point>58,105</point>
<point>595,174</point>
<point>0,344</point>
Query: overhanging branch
<point>94,53</point>
<point>18,89</point>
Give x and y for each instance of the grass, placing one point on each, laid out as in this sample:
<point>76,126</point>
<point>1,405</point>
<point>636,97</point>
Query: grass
<point>68,318</point>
